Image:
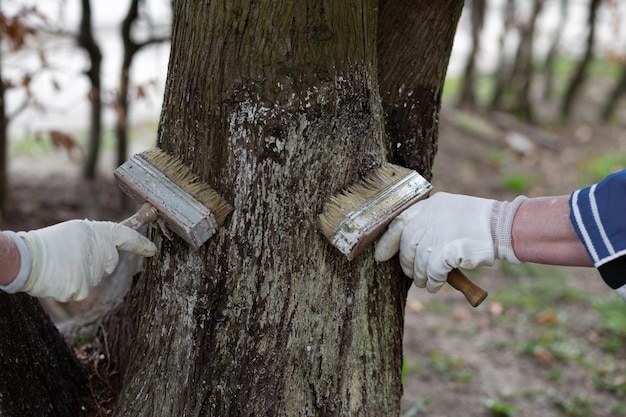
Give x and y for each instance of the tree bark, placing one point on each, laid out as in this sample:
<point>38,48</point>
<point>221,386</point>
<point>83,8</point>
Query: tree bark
<point>39,373</point>
<point>278,107</point>
<point>414,45</point>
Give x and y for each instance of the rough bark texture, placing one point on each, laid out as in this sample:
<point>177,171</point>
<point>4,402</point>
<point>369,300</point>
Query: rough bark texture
<point>39,374</point>
<point>276,105</point>
<point>415,40</point>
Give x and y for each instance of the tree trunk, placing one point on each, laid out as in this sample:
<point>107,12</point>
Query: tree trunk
<point>554,49</point>
<point>414,44</point>
<point>523,72</point>
<point>88,42</point>
<point>502,71</point>
<point>130,49</point>
<point>614,97</point>
<point>467,98</point>
<point>578,79</point>
<point>39,374</point>
<point>4,147</point>
<point>278,108</point>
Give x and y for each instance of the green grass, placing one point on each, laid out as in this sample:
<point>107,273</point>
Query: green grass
<point>41,145</point>
<point>29,145</point>
<point>533,286</point>
<point>450,367</point>
<point>500,409</point>
<point>612,322</point>
<point>612,315</point>
<point>596,169</point>
<point>576,406</point>
<point>517,182</point>
<point>418,408</point>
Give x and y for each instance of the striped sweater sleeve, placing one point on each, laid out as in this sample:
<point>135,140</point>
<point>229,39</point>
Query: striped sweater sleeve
<point>598,214</point>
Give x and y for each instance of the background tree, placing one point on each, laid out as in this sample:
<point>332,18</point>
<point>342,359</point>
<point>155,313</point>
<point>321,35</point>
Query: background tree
<point>523,66</point>
<point>502,69</point>
<point>579,76</point>
<point>4,144</point>
<point>87,41</point>
<point>553,51</point>
<point>14,32</point>
<point>130,50</point>
<point>467,96</point>
<point>616,93</point>
<point>278,107</point>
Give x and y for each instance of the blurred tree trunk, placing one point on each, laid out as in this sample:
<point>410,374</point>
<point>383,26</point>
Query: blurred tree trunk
<point>467,98</point>
<point>553,51</point>
<point>87,41</point>
<point>501,75</point>
<point>523,71</point>
<point>131,48</point>
<point>278,107</point>
<point>618,91</point>
<point>39,373</point>
<point>580,73</point>
<point>122,105</point>
<point>4,145</point>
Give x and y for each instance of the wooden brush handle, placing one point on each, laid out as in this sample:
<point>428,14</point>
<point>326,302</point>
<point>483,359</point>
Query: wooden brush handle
<point>472,292</point>
<point>146,214</point>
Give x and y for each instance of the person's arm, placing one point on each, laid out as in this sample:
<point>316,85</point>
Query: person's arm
<point>9,260</point>
<point>446,231</point>
<point>66,260</point>
<point>543,233</point>
<point>449,231</point>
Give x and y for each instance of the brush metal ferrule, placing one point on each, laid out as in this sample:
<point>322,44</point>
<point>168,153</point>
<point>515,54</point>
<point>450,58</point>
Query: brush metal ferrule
<point>182,213</point>
<point>362,226</point>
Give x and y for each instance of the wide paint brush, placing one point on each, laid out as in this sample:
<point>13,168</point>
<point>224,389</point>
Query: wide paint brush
<point>358,216</point>
<point>171,192</point>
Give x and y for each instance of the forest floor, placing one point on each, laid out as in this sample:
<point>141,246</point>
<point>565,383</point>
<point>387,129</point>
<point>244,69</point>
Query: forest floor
<point>547,342</point>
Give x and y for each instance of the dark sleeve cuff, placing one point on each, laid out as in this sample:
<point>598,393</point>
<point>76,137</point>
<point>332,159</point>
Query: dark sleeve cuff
<point>597,214</point>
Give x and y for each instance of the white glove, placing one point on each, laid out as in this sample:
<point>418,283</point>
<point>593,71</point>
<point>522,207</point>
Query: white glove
<point>449,231</point>
<point>68,259</point>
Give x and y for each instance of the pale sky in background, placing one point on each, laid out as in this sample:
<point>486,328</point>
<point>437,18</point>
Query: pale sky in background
<point>62,90</point>
<point>67,107</point>
<point>104,12</point>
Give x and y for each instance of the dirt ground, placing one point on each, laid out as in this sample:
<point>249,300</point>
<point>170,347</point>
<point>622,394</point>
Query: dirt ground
<point>459,361</point>
<point>500,359</point>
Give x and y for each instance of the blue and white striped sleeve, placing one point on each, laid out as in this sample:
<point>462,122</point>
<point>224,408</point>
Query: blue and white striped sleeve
<point>598,214</point>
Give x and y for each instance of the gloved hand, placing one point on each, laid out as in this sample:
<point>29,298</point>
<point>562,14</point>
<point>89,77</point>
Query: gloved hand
<point>68,259</point>
<point>449,231</point>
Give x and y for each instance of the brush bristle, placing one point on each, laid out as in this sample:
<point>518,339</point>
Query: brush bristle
<point>376,181</point>
<point>180,174</point>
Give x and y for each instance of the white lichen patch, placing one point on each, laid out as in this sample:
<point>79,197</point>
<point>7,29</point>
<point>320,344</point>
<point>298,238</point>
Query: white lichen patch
<point>275,144</point>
